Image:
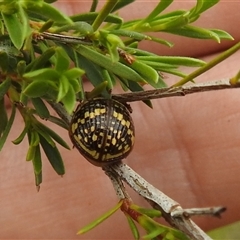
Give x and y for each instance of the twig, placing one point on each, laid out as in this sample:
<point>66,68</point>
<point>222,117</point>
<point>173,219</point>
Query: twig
<point>176,91</point>
<point>159,201</point>
<point>117,184</point>
<point>60,110</point>
<point>212,211</point>
<point>65,38</point>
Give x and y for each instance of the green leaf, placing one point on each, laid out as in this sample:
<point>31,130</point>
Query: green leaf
<point>14,28</point>
<point>37,162</point>
<point>222,34</point>
<point>91,16</point>
<point>63,88</point>
<point>4,61</point>
<point>4,86</point>
<point>62,63</point>
<point>84,28</point>
<point>166,25</point>
<point>92,70</point>
<point>203,5</point>
<point>21,67</point>
<point>74,73</point>
<point>53,134</point>
<point>138,52</point>
<point>180,61</point>
<point>48,24</point>
<point>43,59</point>
<point>43,48</point>
<point>58,121</point>
<point>69,100</point>
<point>113,42</point>
<point>147,73</point>
<point>173,72</point>
<point>30,153</point>
<point>4,117</point>
<point>46,10</point>
<point>133,227</point>
<point>37,89</point>
<point>37,166</point>
<point>8,127</point>
<point>162,5</point>
<point>153,228</point>
<point>109,78</point>
<point>20,138</point>
<point>117,68</point>
<point>103,13</point>
<point>53,156</point>
<point>37,127</point>
<point>146,211</point>
<point>23,19</point>
<point>194,32</point>
<point>94,6</point>
<point>131,34</point>
<point>121,3</point>
<point>75,83</point>
<point>98,90</point>
<point>40,108</point>
<point>162,41</point>
<point>100,219</point>
<point>42,74</point>
<point>34,138</point>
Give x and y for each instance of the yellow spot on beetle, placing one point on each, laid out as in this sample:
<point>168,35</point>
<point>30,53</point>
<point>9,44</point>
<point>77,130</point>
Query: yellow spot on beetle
<point>114,141</point>
<point>129,132</point>
<point>120,116</point>
<point>82,121</point>
<point>91,115</point>
<point>74,127</point>
<point>86,114</point>
<point>119,134</point>
<point>115,114</point>
<point>97,111</point>
<point>94,137</point>
<point>123,122</point>
<point>102,110</point>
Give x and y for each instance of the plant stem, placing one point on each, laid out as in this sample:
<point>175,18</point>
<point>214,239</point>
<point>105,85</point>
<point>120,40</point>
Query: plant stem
<point>158,200</point>
<point>209,65</point>
<point>176,91</point>
<point>105,11</point>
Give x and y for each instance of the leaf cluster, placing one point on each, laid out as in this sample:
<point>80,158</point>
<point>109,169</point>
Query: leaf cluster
<point>44,55</point>
<point>144,217</point>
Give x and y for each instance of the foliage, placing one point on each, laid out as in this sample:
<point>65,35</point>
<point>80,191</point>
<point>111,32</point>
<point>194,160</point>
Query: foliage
<point>44,54</point>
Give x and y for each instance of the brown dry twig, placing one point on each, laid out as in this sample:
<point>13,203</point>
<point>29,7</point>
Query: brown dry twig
<point>176,91</point>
